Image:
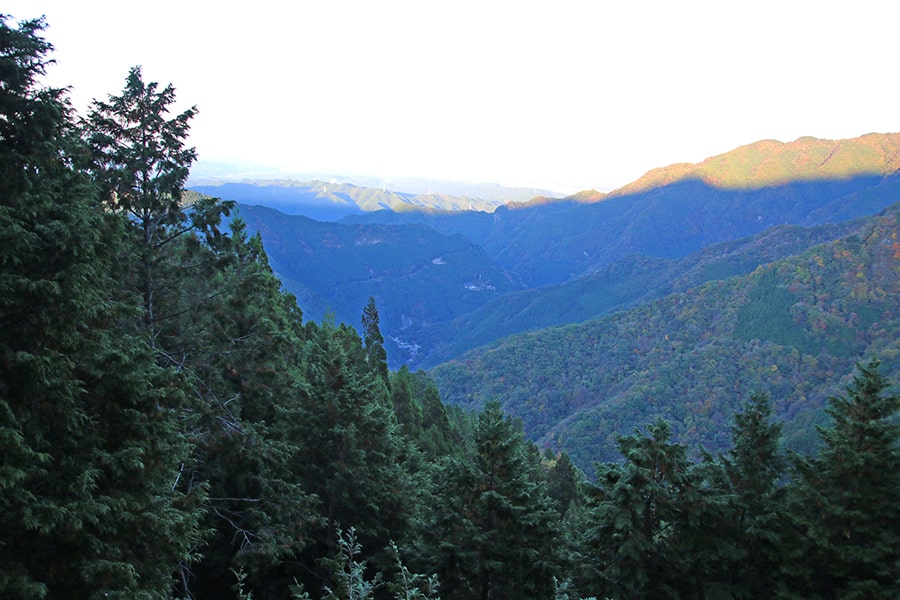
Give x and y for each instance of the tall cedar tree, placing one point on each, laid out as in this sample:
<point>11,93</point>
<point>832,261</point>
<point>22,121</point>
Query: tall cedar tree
<point>217,314</point>
<point>90,452</point>
<point>353,455</point>
<point>846,508</point>
<point>140,159</point>
<point>241,347</point>
<point>749,529</point>
<point>376,357</point>
<point>493,532</point>
<point>424,420</point>
<point>632,543</point>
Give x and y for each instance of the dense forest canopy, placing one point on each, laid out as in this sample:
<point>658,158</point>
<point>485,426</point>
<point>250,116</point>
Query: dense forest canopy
<point>171,427</point>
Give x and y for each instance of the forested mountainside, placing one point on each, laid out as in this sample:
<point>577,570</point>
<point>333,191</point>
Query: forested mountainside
<point>632,280</point>
<point>417,274</point>
<point>606,253</point>
<point>791,328</point>
<point>556,242</point>
<point>171,426</point>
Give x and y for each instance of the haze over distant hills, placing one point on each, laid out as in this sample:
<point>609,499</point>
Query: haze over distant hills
<point>331,197</point>
<point>447,280</point>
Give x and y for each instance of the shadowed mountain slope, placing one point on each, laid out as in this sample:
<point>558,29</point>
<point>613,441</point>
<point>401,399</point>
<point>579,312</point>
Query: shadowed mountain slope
<point>792,328</point>
<point>546,263</point>
<point>632,280</point>
<point>415,273</point>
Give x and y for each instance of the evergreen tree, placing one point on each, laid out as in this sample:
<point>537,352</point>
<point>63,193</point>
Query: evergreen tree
<point>564,482</point>
<point>376,357</point>
<point>493,530</point>
<point>753,515</point>
<point>241,347</point>
<point>217,314</point>
<point>406,405</point>
<point>353,457</point>
<point>845,507</point>
<point>140,160</point>
<point>731,538</point>
<point>424,420</point>
<point>640,506</point>
<point>92,503</point>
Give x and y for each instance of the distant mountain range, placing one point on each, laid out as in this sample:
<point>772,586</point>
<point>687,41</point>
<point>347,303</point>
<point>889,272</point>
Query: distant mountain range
<point>331,200</point>
<point>448,279</point>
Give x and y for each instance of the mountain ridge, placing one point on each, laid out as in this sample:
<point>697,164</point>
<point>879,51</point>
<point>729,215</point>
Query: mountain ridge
<point>771,162</point>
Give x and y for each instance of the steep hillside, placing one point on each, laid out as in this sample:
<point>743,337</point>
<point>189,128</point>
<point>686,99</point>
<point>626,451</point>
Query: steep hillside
<point>572,259</point>
<point>792,328</point>
<point>415,274</point>
<point>557,243</point>
<point>625,283</point>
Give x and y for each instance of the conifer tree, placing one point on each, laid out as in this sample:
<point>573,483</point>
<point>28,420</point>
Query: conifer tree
<point>846,506</point>
<point>564,482</point>
<point>376,357</point>
<point>353,458</point>
<point>91,498</point>
<point>424,420</point>
<point>753,468</point>
<point>216,313</point>
<point>241,344</point>
<point>734,540</point>
<point>493,531</point>
<point>138,156</point>
<point>632,543</point>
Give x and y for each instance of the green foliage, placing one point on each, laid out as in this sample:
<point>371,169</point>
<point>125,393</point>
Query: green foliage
<point>766,314</point>
<point>493,531</point>
<point>687,356</point>
<point>412,586</point>
<point>349,577</point>
<point>169,425</point>
<point>139,160</point>
<point>745,508</point>
<point>641,505</point>
<point>92,453</point>
<point>354,458</point>
<point>376,357</point>
<point>416,274</point>
<point>845,511</point>
<point>351,581</point>
<point>238,346</point>
<point>434,428</point>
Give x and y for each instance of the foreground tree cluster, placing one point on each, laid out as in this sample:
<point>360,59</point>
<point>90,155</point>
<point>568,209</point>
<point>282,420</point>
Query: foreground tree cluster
<point>170,427</point>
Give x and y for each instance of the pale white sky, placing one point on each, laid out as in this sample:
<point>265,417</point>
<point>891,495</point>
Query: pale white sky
<point>560,94</point>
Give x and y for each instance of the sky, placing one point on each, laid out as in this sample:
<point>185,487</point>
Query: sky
<point>562,95</point>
